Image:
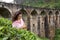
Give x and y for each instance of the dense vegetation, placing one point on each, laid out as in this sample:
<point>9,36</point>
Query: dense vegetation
<point>57,36</point>
<point>43,3</point>
<point>9,33</point>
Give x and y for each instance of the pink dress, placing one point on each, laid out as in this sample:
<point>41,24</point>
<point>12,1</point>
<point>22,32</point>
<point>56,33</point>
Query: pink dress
<point>18,24</point>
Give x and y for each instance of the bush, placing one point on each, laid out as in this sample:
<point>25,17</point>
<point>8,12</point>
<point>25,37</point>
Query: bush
<point>5,22</point>
<point>9,33</point>
<point>57,35</point>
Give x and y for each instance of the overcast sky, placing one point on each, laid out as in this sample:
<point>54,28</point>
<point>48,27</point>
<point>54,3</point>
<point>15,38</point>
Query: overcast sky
<point>8,1</point>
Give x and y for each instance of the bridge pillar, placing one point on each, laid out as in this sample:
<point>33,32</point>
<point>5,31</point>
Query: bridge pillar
<point>51,25</point>
<point>42,23</point>
<point>28,18</point>
<point>51,28</point>
<point>57,21</point>
<point>42,31</point>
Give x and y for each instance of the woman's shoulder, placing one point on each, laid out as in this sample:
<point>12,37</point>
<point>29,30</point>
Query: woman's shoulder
<point>14,22</point>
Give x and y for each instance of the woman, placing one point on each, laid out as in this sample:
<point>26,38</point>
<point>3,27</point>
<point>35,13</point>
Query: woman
<point>17,21</point>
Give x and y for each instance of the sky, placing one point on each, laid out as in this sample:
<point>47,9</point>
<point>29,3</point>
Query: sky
<point>8,1</point>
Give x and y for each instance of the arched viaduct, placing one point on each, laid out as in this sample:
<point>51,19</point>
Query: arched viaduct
<point>41,21</point>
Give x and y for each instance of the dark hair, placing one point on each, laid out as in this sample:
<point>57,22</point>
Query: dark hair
<point>14,18</point>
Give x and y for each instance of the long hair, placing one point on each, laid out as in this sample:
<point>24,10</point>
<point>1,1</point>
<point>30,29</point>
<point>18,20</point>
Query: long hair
<point>14,18</point>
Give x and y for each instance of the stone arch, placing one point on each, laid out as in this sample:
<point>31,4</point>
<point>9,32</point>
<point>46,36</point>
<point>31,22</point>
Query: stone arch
<point>8,9</point>
<point>51,24</point>
<point>50,13</point>
<point>57,13</point>
<point>41,30</point>
<point>44,23</point>
<point>24,15</point>
<point>34,13</point>
<point>23,11</point>
<point>57,19</point>
<point>26,18</point>
<point>34,21</point>
<point>4,12</point>
<point>43,13</point>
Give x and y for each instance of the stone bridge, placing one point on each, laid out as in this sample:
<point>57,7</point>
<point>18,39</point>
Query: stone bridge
<point>41,21</point>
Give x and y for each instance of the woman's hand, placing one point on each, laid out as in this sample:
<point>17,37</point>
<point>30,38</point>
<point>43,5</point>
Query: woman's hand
<point>24,26</point>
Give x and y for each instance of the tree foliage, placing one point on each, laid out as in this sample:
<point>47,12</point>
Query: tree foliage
<point>43,3</point>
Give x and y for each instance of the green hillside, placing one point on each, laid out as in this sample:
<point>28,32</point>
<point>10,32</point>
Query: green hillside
<point>43,3</point>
